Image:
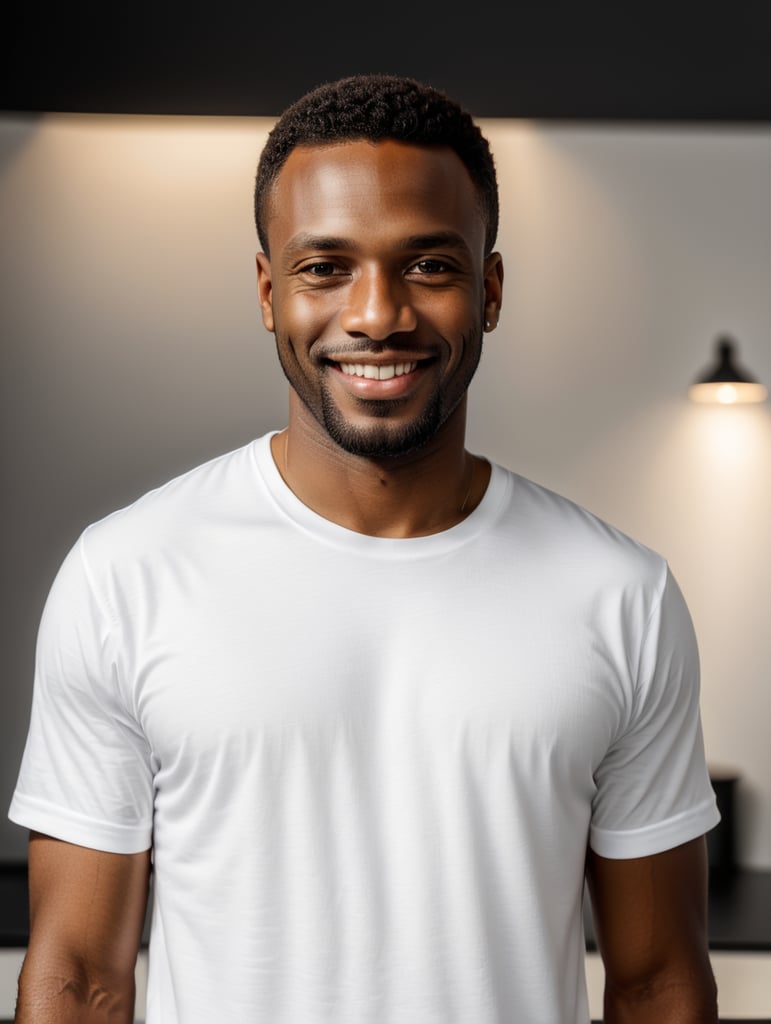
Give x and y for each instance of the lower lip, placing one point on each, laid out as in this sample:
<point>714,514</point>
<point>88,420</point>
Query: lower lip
<point>393,387</point>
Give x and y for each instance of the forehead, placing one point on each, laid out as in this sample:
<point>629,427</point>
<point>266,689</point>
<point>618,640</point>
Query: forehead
<point>363,189</point>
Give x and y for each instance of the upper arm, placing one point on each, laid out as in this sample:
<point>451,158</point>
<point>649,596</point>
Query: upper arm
<point>87,909</point>
<point>650,916</point>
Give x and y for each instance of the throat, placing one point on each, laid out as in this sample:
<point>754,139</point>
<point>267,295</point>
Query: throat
<point>413,500</point>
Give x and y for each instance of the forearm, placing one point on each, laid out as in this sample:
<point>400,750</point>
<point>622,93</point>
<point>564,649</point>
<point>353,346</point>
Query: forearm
<point>65,994</point>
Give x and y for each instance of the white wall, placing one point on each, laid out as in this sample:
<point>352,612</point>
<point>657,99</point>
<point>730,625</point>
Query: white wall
<point>132,349</point>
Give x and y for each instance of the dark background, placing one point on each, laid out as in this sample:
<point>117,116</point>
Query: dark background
<point>681,62</point>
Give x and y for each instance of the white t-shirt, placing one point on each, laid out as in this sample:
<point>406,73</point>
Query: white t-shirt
<point>368,767</point>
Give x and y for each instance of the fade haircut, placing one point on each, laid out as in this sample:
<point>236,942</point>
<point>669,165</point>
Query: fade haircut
<point>378,107</point>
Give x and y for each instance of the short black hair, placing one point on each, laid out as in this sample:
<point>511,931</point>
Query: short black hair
<point>378,107</point>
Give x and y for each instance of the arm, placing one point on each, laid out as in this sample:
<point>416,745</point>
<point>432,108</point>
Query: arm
<point>86,914</point>
<point>650,916</point>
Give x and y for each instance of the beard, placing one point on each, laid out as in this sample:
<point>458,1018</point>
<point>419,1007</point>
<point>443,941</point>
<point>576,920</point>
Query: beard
<point>380,438</point>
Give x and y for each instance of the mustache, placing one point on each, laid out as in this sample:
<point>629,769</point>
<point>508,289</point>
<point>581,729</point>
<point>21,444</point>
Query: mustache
<point>364,346</point>
<point>393,344</point>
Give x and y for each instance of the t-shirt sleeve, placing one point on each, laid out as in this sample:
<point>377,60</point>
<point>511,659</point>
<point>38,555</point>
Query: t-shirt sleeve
<point>653,786</point>
<point>86,773</point>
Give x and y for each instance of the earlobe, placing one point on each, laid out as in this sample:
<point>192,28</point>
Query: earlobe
<point>491,315</point>
<point>265,291</point>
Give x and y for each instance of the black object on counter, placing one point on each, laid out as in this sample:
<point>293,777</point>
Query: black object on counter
<point>721,840</point>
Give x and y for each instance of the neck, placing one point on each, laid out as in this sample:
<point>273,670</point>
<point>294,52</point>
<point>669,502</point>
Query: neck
<point>423,492</point>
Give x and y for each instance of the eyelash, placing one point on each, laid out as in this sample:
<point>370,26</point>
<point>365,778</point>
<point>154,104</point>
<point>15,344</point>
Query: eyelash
<point>443,267</point>
<point>440,267</point>
<point>310,267</point>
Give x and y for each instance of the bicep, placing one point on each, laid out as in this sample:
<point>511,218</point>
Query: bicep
<point>650,915</point>
<point>86,906</point>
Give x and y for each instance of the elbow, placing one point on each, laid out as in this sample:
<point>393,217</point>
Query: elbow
<point>69,988</point>
<point>686,996</point>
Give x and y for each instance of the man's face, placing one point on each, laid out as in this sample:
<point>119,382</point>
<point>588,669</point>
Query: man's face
<point>377,289</point>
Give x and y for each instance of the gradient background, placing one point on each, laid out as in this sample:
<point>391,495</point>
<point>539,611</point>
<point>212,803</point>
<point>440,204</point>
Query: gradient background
<point>132,349</point>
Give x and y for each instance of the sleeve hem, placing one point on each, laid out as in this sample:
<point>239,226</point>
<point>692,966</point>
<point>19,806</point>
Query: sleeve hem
<point>656,838</point>
<point>73,827</point>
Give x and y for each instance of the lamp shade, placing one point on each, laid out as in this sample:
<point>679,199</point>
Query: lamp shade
<point>725,382</point>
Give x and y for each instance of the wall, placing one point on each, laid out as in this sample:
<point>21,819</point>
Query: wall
<point>132,349</point>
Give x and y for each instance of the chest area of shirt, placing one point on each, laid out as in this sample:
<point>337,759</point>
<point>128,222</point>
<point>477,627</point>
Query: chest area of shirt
<point>390,669</point>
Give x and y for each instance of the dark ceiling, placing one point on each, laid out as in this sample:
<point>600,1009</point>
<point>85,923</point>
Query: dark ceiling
<point>686,62</point>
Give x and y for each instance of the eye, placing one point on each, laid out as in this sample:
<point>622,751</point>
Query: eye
<point>320,269</point>
<point>429,266</point>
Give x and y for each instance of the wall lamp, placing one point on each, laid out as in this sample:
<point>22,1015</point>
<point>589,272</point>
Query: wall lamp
<point>725,382</point>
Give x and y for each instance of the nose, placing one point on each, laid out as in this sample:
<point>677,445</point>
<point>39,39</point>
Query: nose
<point>377,306</point>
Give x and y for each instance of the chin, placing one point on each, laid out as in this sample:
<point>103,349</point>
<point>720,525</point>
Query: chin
<point>381,440</point>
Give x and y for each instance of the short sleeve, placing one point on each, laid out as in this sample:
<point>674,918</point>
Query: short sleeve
<point>653,787</point>
<point>86,773</point>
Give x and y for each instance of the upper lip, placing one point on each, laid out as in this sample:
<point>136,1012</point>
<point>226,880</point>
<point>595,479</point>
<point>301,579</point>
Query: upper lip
<point>381,359</point>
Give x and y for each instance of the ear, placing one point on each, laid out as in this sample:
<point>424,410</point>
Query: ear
<point>493,282</point>
<point>265,291</point>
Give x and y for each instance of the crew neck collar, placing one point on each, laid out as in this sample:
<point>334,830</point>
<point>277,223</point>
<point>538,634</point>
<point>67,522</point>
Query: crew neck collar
<point>330,532</point>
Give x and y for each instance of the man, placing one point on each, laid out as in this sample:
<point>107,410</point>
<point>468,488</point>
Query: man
<point>375,706</point>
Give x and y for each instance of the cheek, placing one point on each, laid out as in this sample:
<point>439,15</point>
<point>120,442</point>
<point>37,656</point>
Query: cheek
<point>455,310</point>
<point>308,314</point>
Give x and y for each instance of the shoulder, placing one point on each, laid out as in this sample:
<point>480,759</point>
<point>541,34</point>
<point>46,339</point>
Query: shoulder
<point>564,533</point>
<point>209,492</point>
<point>167,532</point>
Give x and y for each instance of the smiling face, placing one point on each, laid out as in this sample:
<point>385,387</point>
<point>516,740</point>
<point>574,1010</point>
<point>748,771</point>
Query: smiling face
<point>377,289</point>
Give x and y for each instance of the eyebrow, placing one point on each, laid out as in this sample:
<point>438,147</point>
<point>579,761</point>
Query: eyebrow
<point>436,240</point>
<point>332,243</point>
<point>324,243</point>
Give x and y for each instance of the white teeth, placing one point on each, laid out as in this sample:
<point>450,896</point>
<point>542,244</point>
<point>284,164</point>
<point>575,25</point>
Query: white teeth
<point>372,372</point>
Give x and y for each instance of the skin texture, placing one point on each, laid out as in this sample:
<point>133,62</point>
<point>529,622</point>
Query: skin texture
<point>377,257</point>
<point>86,914</point>
<point>650,916</point>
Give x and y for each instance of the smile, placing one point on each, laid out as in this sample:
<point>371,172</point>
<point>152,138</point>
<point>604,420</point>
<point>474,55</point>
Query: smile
<point>373,372</point>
